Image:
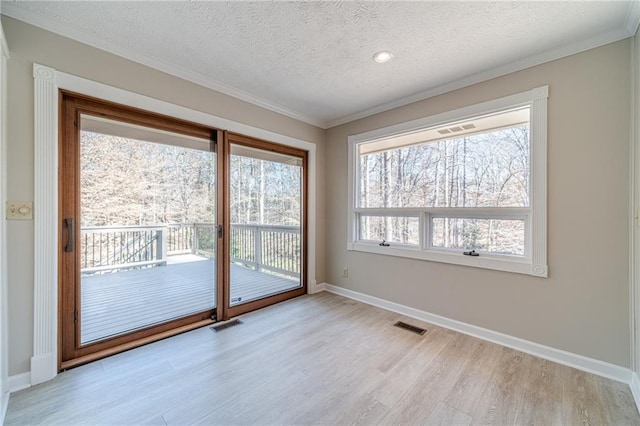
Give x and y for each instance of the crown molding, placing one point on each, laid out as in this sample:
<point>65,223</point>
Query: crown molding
<point>59,28</point>
<point>519,65</point>
<point>629,29</point>
<point>633,18</point>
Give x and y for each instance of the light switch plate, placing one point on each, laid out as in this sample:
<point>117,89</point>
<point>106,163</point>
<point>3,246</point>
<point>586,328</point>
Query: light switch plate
<point>19,210</point>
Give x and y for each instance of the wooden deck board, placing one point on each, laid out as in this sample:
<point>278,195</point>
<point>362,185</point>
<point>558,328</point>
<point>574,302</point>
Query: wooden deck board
<point>116,303</point>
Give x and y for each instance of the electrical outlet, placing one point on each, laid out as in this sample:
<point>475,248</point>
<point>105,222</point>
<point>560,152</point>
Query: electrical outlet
<point>345,273</point>
<point>20,210</point>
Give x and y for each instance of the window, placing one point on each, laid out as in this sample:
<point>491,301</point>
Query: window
<point>465,187</point>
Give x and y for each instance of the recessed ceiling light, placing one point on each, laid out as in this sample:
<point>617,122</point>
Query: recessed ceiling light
<point>383,56</point>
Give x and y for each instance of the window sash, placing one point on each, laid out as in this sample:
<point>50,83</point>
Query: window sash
<point>488,148</point>
<point>534,261</point>
<point>393,241</point>
<point>425,225</point>
<point>526,247</point>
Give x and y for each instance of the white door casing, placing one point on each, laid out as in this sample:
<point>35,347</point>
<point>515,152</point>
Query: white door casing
<point>47,82</point>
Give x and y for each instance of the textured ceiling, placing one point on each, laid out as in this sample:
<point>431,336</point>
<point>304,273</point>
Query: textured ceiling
<point>313,60</point>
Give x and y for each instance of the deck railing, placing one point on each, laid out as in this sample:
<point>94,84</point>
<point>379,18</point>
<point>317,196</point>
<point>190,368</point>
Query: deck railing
<point>275,249</point>
<point>104,249</point>
<point>267,248</point>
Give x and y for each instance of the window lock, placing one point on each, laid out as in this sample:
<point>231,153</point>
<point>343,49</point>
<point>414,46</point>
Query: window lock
<point>470,253</point>
<point>384,244</point>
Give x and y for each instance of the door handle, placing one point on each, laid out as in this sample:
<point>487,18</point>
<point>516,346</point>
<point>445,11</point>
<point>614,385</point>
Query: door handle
<point>69,246</point>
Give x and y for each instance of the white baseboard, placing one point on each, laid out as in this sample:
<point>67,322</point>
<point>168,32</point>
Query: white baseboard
<point>635,389</point>
<point>19,382</point>
<point>320,287</point>
<point>313,287</point>
<point>44,367</point>
<point>590,365</point>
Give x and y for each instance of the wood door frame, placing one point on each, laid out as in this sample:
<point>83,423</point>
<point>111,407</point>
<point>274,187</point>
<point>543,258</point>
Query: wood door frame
<point>71,105</point>
<point>235,138</point>
<point>70,350</point>
<point>221,214</point>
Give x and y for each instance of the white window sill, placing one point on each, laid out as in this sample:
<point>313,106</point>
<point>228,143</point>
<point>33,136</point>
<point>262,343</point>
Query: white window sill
<point>497,263</point>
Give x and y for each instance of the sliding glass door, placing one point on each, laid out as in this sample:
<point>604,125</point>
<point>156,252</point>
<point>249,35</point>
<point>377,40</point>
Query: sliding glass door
<point>168,225</point>
<point>267,217</point>
<point>139,227</point>
<point>147,219</point>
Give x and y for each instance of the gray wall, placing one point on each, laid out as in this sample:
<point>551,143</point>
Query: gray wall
<point>583,307</point>
<point>29,44</point>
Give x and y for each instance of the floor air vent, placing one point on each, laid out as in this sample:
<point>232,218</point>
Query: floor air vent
<point>411,328</point>
<point>224,325</point>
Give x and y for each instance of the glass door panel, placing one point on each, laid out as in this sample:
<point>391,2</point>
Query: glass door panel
<point>147,238</point>
<point>266,218</point>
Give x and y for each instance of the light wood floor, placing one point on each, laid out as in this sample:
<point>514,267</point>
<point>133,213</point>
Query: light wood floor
<point>324,359</point>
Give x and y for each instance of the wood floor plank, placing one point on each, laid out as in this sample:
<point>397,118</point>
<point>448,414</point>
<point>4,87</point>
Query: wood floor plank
<point>505,395</point>
<point>543,392</point>
<point>323,359</point>
<point>365,411</point>
<point>446,415</point>
<point>399,378</point>
<point>621,407</point>
<point>421,399</point>
<point>582,399</point>
<point>475,379</point>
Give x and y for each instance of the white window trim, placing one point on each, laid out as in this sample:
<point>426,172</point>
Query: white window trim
<point>47,82</point>
<point>534,262</point>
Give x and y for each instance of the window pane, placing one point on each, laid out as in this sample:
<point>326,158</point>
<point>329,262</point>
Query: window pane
<point>265,187</point>
<point>486,169</point>
<point>403,230</point>
<point>266,200</point>
<point>504,236</point>
<point>147,243</point>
